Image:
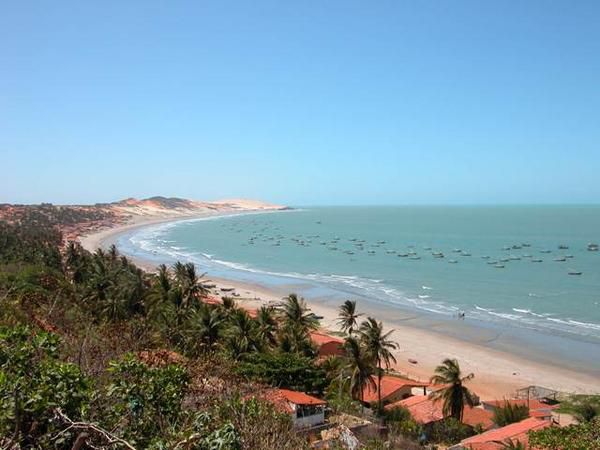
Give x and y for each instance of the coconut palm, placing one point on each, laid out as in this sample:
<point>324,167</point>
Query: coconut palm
<point>161,288</point>
<point>208,325</point>
<point>242,334</point>
<point>189,282</point>
<point>454,394</point>
<point>267,325</point>
<point>348,317</point>
<point>360,368</point>
<point>378,347</point>
<point>296,314</point>
<point>228,305</point>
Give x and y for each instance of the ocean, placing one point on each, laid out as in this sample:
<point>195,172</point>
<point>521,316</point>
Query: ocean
<point>510,267</point>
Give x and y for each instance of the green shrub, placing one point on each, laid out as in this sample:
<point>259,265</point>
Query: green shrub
<point>33,383</point>
<point>145,402</point>
<point>284,370</point>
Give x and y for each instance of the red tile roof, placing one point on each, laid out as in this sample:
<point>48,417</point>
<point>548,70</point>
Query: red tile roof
<point>425,410</point>
<point>389,386</point>
<point>300,398</point>
<point>282,399</point>
<point>515,432</point>
<point>321,338</point>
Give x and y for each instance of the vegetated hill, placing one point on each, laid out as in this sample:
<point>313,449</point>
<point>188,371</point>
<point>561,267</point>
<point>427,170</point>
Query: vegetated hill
<point>75,220</point>
<point>96,353</point>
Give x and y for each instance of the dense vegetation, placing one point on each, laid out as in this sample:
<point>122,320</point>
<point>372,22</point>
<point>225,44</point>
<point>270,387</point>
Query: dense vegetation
<point>96,353</point>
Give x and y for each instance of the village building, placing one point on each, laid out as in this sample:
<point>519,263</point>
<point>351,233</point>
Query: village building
<point>497,438</point>
<point>305,410</point>
<point>427,411</point>
<point>392,389</point>
<point>327,345</point>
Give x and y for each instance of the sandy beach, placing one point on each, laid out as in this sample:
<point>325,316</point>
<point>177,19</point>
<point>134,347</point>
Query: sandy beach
<point>498,374</point>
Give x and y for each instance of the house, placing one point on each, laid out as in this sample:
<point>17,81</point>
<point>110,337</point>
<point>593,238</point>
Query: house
<point>494,439</point>
<point>305,410</point>
<point>392,389</point>
<point>327,345</point>
<point>537,408</point>
<point>427,411</point>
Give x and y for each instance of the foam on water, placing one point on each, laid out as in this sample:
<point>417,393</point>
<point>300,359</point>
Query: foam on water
<point>509,296</point>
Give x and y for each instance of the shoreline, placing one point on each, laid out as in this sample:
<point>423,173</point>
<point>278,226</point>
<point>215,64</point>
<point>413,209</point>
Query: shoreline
<point>498,373</point>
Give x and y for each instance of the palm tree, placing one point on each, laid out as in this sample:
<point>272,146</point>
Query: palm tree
<point>348,316</point>
<point>267,325</point>
<point>208,325</point>
<point>454,394</point>
<point>359,366</point>
<point>228,305</point>
<point>379,348</point>
<point>296,314</point>
<point>242,334</point>
<point>189,282</point>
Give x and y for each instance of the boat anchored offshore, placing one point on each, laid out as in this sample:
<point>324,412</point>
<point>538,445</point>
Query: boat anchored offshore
<point>592,247</point>
<point>574,272</point>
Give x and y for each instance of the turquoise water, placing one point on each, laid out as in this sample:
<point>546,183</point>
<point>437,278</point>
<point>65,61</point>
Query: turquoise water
<point>359,252</point>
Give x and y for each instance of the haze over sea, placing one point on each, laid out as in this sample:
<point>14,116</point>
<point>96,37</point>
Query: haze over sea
<point>501,265</point>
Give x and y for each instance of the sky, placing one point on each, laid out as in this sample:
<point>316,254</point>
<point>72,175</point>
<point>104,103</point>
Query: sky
<point>301,102</point>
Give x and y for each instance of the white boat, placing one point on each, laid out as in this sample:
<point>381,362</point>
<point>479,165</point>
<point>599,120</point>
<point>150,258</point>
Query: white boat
<point>575,272</point>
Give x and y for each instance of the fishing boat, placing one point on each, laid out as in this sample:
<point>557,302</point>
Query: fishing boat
<point>452,261</point>
<point>499,266</point>
<point>575,272</point>
<point>592,247</point>
<point>560,259</point>
<point>563,247</point>
<point>537,260</point>
<point>545,251</point>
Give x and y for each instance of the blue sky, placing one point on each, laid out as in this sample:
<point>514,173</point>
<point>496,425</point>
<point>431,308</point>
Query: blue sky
<point>301,102</point>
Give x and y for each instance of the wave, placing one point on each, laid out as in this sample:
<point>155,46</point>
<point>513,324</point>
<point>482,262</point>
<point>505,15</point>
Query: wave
<point>376,290</point>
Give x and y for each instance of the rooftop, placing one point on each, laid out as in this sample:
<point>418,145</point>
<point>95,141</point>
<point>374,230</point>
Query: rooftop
<point>282,399</point>
<point>322,338</point>
<point>425,410</point>
<point>515,432</point>
<point>389,385</point>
